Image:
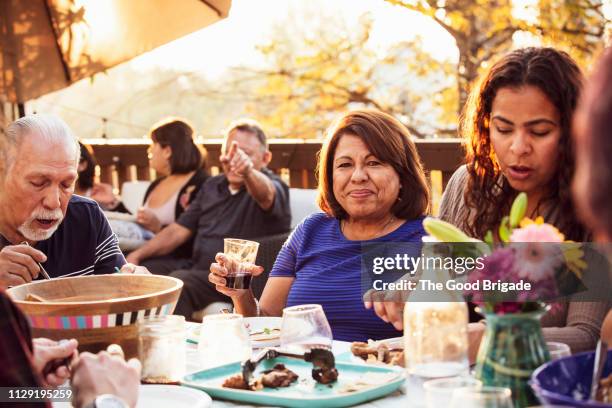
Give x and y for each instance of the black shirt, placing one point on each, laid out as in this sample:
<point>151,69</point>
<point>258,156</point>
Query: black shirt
<point>83,244</point>
<point>215,214</point>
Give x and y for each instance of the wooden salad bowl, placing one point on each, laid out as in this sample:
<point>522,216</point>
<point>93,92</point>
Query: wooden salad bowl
<point>96,310</point>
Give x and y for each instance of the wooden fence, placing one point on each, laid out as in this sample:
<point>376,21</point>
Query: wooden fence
<point>295,160</point>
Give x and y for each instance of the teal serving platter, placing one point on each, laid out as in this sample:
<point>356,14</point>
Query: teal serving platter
<point>305,392</point>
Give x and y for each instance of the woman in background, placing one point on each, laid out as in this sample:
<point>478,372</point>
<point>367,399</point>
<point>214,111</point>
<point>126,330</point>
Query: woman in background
<point>179,163</point>
<point>86,185</point>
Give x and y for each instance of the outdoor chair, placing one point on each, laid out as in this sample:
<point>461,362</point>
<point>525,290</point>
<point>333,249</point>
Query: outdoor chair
<point>303,202</point>
<point>132,194</point>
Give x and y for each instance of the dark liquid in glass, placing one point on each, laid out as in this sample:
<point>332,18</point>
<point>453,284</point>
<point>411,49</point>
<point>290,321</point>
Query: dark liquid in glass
<point>241,281</point>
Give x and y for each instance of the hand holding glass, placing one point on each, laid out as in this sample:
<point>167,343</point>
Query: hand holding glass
<point>240,253</point>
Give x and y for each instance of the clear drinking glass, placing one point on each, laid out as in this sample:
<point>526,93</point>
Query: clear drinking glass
<point>305,327</point>
<point>439,392</point>
<point>223,339</point>
<point>558,350</point>
<point>484,397</point>
<point>241,252</point>
<point>161,349</point>
<point>436,335</point>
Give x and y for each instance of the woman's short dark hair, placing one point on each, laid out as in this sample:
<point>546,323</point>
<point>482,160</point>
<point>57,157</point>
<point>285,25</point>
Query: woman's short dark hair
<point>390,142</point>
<point>178,134</point>
<point>594,135</point>
<point>488,194</point>
<point>87,175</point>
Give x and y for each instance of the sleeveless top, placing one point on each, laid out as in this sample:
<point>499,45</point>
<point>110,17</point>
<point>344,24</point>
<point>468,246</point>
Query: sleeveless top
<point>165,213</point>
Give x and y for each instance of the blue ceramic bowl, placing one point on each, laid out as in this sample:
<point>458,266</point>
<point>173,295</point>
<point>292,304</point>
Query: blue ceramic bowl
<point>567,381</point>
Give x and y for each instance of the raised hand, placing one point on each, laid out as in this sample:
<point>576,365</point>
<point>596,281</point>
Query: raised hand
<point>237,161</point>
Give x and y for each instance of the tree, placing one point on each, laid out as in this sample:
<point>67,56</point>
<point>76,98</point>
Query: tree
<point>484,29</point>
<point>314,72</point>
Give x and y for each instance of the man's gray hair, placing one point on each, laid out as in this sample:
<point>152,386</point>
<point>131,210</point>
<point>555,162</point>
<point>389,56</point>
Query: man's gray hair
<point>250,126</point>
<point>50,127</point>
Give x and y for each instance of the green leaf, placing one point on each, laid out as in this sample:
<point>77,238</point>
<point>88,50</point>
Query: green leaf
<point>504,231</point>
<point>444,231</point>
<point>488,238</point>
<point>519,207</point>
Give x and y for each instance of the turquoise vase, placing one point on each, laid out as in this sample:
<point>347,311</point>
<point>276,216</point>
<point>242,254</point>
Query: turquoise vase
<point>512,348</point>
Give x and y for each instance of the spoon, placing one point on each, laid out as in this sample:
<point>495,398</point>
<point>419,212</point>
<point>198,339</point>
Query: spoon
<point>601,354</point>
<point>42,270</point>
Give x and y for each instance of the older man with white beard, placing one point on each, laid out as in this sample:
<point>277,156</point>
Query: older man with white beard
<point>41,221</point>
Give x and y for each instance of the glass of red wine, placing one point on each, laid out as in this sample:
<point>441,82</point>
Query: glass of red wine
<point>241,253</point>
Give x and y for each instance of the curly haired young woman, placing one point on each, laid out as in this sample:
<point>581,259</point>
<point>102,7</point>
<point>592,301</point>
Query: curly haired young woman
<point>517,126</point>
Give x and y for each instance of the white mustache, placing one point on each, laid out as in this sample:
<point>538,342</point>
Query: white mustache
<point>42,214</point>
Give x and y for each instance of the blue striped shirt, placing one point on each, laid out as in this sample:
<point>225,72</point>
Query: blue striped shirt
<point>83,244</point>
<point>327,271</point>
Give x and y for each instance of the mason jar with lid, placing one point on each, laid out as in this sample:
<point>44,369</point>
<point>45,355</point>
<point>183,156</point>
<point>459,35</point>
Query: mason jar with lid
<point>161,349</point>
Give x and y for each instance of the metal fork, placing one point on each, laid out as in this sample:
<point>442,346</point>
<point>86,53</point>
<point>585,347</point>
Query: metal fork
<point>42,270</point>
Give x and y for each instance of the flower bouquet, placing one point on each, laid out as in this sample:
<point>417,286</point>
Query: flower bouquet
<point>527,254</point>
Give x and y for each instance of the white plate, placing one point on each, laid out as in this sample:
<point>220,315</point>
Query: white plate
<point>116,215</point>
<point>265,331</point>
<point>162,396</point>
<point>392,343</point>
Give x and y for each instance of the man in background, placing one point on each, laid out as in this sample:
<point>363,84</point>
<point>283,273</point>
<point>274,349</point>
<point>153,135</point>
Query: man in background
<point>247,201</point>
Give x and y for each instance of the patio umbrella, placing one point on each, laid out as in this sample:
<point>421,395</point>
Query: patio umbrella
<point>46,45</point>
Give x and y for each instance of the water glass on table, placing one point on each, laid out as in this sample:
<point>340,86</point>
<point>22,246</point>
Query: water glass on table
<point>223,339</point>
<point>305,327</point>
<point>558,350</point>
<point>241,252</point>
<point>482,397</point>
<point>439,392</point>
<point>161,349</point>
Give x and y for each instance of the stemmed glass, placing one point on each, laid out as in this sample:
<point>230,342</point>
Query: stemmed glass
<point>484,397</point>
<point>305,327</point>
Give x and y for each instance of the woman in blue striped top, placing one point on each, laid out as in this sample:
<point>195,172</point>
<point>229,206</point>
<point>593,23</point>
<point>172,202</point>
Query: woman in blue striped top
<point>372,189</point>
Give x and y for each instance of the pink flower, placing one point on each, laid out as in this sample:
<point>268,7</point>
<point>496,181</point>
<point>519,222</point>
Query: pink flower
<point>537,261</point>
<point>536,233</point>
<point>498,265</point>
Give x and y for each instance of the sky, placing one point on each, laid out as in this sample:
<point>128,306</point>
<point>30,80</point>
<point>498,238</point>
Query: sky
<point>232,41</point>
<point>228,43</point>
